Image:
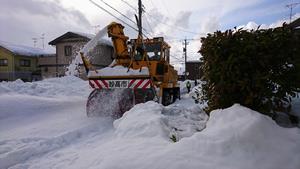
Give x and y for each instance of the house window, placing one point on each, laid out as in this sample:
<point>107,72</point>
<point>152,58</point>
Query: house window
<point>3,62</point>
<point>25,63</point>
<point>68,50</point>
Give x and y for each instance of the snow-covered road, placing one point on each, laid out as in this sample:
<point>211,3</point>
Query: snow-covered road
<point>32,126</point>
<point>43,125</point>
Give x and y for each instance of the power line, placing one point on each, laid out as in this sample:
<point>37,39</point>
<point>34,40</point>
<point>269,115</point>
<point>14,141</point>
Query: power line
<point>117,11</point>
<point>123,15</point>
<point>173,27</point>
<point>291,6</point>
<point>165,6</point>
<point>128,4</point>
<point>177,39</point>
<point>149,25</point>
<point>178,59</point>
<point>115,16</point>
<point>112,15</point>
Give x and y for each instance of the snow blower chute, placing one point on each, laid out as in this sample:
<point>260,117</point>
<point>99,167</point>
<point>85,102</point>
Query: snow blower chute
<point>140,72</point>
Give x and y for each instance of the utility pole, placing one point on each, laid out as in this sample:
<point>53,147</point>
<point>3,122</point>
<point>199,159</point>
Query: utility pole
<point>291,6</point>
<point>185,43</point>
<point>43,40</point>
<point>34,41</point>
<point>140,18</point>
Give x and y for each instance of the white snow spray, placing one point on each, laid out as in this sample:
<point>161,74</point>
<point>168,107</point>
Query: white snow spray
<point>73,68</point>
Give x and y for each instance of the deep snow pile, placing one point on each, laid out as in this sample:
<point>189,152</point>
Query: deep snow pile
<point>53,87</point>
<point>48,130</point>
<point>152,119</point>
<point>236,137</point>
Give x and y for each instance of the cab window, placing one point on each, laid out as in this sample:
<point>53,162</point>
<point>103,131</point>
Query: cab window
<point>153,51</point>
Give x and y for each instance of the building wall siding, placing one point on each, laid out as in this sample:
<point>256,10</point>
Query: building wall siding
<point>25,73</point>
<point>4,70</point>
<point>100,57</point>
<point>14,70</point>
<point>47,65</point>
<point>64,61</point>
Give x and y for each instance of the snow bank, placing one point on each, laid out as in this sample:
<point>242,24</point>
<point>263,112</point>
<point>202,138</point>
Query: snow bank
<point>119,71</point>
<point>234,138</point>
<point>143,120</point>
<point>238,137</point>
<point>184,121</point>
<point>26,148</point>
<point>63,137</point>
<point>53,87</point>
<point>151,119</point>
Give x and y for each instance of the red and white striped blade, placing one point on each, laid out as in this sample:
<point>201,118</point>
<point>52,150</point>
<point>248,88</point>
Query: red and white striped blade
<point>124,83</point>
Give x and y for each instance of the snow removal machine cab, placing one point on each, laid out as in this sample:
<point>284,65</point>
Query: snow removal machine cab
<point>140,72</point>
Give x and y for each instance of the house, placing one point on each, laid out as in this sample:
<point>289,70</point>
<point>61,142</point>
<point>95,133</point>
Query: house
<point>295,24</point>
<point>47,66</point>
<point>19,62</point>
<point>70,43</point>
<point>193,70</point>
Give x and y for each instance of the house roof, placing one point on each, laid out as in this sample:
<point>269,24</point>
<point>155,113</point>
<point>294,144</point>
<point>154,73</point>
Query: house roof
<point>88,35</point>
<point>85,36</point>
<point>67,35</point>
<point>295,23</point>
<point>24,50</point>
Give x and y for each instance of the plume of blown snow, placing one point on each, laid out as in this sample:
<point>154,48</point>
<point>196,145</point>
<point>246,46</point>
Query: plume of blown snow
<point>72,69</point>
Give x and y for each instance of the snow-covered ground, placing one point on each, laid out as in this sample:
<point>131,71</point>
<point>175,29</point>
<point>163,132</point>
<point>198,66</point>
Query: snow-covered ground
<point>43,125</point>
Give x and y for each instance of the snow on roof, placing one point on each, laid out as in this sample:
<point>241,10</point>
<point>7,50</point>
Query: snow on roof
<point>24,50</point>
<point>103,40</point>
<point>88,35</point>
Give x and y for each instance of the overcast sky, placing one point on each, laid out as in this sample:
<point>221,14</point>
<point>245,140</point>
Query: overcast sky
<point>22,20</point>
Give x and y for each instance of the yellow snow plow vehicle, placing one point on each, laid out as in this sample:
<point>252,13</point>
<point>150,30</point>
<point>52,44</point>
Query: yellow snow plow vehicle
<point>140,72</point>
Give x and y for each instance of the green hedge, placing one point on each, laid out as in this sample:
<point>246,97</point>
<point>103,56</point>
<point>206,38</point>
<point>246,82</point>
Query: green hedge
<point>259,69</point>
